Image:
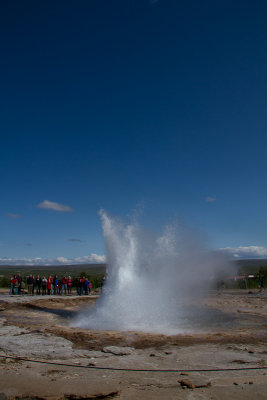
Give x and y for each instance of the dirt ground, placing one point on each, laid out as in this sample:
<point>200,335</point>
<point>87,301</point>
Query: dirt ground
<point>38,328</point>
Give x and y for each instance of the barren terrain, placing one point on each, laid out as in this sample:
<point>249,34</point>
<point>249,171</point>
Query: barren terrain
<point>37,328</point>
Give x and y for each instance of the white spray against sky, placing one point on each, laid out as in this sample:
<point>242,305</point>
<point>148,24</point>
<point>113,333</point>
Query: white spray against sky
<point>151,279</point>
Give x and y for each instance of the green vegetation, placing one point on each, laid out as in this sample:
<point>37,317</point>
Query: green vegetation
<point>94,272</point>
<point>250,283</point>
<point>256,267</point>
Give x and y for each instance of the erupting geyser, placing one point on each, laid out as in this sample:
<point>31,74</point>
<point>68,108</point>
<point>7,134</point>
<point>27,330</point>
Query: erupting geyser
<point>151,280</point>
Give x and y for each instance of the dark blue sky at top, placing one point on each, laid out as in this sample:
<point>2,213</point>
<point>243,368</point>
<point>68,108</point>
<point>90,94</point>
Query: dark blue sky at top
<point>127,104</point>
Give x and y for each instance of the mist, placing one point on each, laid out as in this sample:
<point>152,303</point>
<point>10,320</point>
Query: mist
<point>154,280</point>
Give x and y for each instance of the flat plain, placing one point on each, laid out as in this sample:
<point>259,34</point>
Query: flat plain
<point>87,364</point>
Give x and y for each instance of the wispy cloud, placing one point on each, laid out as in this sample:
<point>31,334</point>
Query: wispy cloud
<point>210,199</point>
<point>74,240</point>
<point>12,216</point>
<point>51,205</point>
<point>246,251</point>
<point>91,259</point>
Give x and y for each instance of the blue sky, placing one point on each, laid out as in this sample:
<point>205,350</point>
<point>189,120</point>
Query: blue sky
<point>128,105</point>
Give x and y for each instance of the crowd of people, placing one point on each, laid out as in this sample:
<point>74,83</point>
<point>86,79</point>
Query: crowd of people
<point>49,285</point>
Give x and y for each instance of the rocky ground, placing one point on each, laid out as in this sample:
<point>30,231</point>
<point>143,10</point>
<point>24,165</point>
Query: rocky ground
<point>37,328</point>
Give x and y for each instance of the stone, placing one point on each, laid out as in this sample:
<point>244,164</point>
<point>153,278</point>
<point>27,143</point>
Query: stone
<point>201,383</point>
<point>186,383</point>
<point>196,382</point>
<point>118,351</point>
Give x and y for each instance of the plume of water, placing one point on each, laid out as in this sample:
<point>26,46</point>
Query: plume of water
<point>151,279</point>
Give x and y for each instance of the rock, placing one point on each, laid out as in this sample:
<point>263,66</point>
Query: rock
<point>105,395</point>
<point>201,383</point>
<point>118,351</point>
<point>196,382</point>
<point>240,361</point>
<point>186,383</point>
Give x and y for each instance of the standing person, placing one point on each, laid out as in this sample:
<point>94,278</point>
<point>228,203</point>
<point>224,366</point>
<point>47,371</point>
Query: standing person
<point>69,284</point>
<point>59,287</point>
<point>76,284</point>
<point>64,285</point>
<point>16,286</point>
<point>38,283</point>
<point>33,285</point>
<point>19,278</point>
<point>261,281</point>
<point>90,287</point>
<point>55,283</point>
<point>44,285</point>
<point>11,291</point>
<point>52,285</point>
<point>85,285</point>
<point>80,286</point>
<point>22,287</point>
<point>13,284</point>
<point>30,284</point>
<point>49,284</point>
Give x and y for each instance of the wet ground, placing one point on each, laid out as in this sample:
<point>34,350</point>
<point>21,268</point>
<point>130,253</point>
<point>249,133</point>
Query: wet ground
<point>227,330</point>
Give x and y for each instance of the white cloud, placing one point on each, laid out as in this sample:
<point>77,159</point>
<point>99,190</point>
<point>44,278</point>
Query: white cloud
<point>210,199</point>
<point>21,261</point>
<point>92,259</point>
<point>62,260</point>
<point>96,258</point>
<point>51,205</point>
<point>247,251</point>
<point>12,216</point>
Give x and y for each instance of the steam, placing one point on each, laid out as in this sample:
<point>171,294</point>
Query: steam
<point>151,279</point>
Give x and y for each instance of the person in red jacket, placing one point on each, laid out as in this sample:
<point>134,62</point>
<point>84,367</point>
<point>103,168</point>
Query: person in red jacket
<point>13,285</point>
<point>64,285</point>
<point>49,284</point>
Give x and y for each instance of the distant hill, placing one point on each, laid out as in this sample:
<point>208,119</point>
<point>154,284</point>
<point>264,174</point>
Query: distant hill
<point>73,270</point>
<point>243,266</point>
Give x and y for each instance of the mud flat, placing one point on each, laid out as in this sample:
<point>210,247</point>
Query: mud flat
<point>38,329</point>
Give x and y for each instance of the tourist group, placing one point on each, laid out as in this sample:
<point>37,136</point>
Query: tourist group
<point>49,285</point>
